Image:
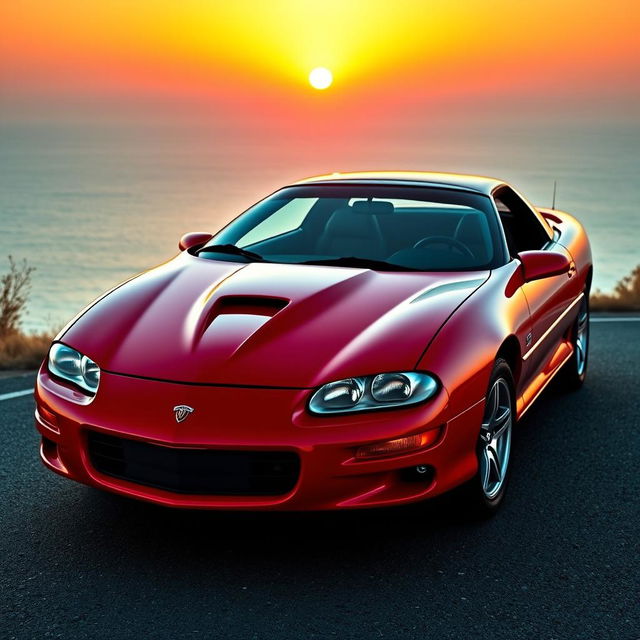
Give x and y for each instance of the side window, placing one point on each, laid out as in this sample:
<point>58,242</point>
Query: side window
<point>287,218</point>
<point>522,229</point>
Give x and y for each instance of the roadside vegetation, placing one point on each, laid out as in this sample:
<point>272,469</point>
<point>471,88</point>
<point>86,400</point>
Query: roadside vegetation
<point>625,295</point>
<point>17,349</point>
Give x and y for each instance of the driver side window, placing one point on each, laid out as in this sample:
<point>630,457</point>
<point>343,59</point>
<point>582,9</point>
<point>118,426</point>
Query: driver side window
<point>522,229</point>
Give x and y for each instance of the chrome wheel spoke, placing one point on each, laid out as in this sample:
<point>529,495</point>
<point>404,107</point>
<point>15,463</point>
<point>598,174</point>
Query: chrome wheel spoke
<point>502,429</point>
<point>503,414</point>
<point>583,319</point>
<point>491,408</point>
<point>485,470</point>
<point>494,464</point>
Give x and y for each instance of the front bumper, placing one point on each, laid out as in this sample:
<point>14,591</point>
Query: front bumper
<point>257,420</point>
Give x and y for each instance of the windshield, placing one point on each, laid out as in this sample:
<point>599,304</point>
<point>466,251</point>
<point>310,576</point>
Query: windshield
<point>376,226</point>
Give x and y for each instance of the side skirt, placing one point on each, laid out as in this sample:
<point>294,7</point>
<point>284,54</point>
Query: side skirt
<point>538,384</point>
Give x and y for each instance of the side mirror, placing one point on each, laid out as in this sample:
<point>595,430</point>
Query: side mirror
<point>193,239</point>
<point>543,264</point>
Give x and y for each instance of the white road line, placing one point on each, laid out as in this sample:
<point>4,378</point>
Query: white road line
<point>623,319</point>
<point>15,394</point>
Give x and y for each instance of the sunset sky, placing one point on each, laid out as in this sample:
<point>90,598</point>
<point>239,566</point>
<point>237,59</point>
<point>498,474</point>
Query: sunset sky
<point>247,57</point>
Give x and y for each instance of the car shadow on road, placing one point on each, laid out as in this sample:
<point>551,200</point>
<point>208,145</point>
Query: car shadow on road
<point>273,533</point>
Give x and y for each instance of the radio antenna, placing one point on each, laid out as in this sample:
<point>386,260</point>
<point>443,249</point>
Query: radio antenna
<point>555,185</point>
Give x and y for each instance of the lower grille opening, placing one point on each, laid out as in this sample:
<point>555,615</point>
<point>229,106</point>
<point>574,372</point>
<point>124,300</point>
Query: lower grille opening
<point>194,471</point>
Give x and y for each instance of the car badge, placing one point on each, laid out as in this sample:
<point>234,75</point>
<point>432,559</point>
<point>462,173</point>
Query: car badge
<point>182,412</point>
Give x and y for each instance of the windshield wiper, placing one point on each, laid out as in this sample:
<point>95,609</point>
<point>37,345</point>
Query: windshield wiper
<point>232,250</point>
<point>362,263</point>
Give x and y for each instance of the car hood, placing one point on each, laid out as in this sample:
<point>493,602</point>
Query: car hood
<point>202,321</point>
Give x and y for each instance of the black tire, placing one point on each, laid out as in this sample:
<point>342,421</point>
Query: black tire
<point>475,499</point>
<point>574,372</point>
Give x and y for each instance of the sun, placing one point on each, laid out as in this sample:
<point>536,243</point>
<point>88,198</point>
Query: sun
<point>320,78</point>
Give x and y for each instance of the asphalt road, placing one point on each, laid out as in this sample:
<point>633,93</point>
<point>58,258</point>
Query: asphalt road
<point>559,561</point>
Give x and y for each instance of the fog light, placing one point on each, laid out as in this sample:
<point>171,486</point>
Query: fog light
<point>422,473</point>
<point>399,445</point>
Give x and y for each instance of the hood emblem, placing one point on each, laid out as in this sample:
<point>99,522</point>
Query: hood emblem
<point>182,412</point>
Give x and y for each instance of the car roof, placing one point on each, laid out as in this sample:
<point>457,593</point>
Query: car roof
<point>475,184</point>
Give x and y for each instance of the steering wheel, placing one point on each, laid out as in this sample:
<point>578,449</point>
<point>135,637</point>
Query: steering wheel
<point>451,242</point>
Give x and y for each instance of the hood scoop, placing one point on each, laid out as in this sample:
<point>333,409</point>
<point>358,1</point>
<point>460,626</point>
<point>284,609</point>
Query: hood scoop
<point>231,320</point>
<point>248,305</point>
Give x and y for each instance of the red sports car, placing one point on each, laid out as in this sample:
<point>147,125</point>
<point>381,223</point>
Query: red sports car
<point>353,340</point>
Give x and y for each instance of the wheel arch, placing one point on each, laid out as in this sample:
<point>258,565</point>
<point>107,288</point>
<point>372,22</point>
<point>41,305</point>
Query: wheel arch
<point>510,352</point>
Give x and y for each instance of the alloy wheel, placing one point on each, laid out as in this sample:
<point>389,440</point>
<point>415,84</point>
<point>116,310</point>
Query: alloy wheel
<point>495,438</point>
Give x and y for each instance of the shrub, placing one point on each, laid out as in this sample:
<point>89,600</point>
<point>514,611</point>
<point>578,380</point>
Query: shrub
<point>625,295</point>
<point>17,350</point>
<point>14,292</point>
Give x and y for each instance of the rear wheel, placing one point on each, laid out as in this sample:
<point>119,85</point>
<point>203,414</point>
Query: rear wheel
<point>575,371</point>
<point>483,494</point>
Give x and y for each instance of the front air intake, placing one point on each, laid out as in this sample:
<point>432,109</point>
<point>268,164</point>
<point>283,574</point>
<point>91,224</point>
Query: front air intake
<point>194,471</point>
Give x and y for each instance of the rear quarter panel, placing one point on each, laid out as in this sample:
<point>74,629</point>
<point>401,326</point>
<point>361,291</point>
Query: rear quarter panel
<point>573,237</point>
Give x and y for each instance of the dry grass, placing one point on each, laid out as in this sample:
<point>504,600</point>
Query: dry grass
<point>625,295</point>
<point>20,351</point>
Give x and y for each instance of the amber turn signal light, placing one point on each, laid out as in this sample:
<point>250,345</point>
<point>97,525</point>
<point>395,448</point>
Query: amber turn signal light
<point>399,445</point>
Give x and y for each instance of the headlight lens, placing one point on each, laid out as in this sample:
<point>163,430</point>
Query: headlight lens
<point>391,387</point>
<point>341,395</point>
<point>368,393</point>
<point>69,364</point>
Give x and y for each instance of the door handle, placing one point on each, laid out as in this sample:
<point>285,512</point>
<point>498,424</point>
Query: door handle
<point>572,270</point>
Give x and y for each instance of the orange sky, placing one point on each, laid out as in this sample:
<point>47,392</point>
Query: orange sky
<point>381,51</point>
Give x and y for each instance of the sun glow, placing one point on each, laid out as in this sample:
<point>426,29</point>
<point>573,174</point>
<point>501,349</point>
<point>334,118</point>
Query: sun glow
<point>320,78</point>
<point>404,51</point>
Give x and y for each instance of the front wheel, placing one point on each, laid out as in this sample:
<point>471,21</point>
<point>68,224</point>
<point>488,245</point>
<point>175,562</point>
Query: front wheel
<point>483,494</point>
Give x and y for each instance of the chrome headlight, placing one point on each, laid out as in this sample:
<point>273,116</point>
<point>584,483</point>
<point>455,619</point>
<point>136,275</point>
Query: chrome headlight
<point>368,393</point>
<point>69,364</point>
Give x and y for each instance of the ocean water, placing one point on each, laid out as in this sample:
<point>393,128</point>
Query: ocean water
<point>89,204</point>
